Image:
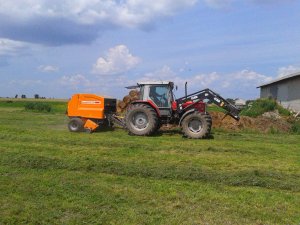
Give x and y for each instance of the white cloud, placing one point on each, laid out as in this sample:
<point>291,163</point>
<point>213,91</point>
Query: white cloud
<point>250,77</point>
<point>101,85</point>
<point>81,21</point>
<point>204,80</point>
<point>221,4</point>
<point>284,71</point>
<point>10,48</point>
<point>135,13</point>
<point>237,84</point>
<point>48,68</point>
<point>163,74</point>
<point>240,78</point>
<point>128,13</point>
<point>122,13</point>
<point>75,81</point>
<point>167,74</point>
<point>117,60</point>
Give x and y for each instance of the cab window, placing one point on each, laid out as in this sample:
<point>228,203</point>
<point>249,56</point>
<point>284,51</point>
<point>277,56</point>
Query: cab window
<point>160,95</point>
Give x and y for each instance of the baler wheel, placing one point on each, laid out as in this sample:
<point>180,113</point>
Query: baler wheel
<point>196,125</point>
<point>141,120</point>
<point>76,125</point>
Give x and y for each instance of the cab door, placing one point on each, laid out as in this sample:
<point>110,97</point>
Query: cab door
<point>160,95</point>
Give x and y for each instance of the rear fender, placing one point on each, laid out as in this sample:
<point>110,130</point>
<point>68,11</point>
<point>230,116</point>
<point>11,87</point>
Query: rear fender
<point>150,103</point>
<point>185,114</point>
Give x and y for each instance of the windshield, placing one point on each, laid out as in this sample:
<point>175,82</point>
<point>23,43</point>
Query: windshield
<point>160,95</point>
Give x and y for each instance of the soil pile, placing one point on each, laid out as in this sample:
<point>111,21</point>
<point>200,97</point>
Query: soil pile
<point>261,123</point>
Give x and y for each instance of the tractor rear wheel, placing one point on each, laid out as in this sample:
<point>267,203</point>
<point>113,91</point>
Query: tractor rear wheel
<point>196,125</point>
<point>76,125</point>
<point>141,120</point>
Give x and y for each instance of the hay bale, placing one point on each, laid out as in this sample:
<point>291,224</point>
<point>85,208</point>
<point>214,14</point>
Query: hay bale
<point>122,105</point>
<point>133,93</point>
<point>127,99</point>
<point>119,110</point>
<point>134,98</point>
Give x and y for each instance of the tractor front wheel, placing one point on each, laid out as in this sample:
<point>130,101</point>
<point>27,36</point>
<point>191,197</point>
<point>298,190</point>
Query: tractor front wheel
<point>141,120</point>
<point>196,125</point>
<point>76,125</point>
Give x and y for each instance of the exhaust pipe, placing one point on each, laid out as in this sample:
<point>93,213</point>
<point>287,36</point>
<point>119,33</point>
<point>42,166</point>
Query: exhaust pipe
<point>185,89</point>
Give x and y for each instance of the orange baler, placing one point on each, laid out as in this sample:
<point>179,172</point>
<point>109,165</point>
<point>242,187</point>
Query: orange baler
<point>89,111</point>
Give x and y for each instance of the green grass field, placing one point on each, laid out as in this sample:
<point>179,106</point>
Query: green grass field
<point>51,176</point>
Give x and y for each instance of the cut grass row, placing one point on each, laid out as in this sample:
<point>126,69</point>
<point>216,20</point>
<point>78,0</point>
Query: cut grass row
<point>51,176</point>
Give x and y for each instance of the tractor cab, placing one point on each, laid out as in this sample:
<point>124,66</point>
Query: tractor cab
<point>160,93</point>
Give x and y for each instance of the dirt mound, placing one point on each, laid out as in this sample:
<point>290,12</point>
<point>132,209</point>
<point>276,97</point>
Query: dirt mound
<point>261,124</point>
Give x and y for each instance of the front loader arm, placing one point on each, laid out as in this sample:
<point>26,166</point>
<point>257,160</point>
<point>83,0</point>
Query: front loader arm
<point>212,97</point>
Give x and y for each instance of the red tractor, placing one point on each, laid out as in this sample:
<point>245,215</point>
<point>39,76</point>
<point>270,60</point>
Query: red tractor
<point>157,105</point>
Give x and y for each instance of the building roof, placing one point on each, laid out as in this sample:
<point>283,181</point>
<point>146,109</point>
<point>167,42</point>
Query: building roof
<point>280,79</point>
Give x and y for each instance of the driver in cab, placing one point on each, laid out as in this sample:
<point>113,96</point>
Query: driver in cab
<point>159,99</point>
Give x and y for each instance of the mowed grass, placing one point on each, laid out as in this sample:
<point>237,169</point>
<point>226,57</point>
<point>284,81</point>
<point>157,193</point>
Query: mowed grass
<point>58,106</point>
<point>51,176</point>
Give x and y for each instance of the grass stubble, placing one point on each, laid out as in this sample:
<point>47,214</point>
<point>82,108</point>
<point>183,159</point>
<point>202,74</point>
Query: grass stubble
<point>51,176</point>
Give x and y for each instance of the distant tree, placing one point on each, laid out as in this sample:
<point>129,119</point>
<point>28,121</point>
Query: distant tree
<point>23,96</point>
<point>16,96</point>
<point>36,96</point>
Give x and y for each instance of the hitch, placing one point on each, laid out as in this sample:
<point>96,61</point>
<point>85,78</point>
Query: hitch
<point>117,120</point>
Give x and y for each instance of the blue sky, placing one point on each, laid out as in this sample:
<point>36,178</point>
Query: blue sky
<point>58,48</point>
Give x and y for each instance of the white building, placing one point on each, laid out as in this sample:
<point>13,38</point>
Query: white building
<point>285,90</point>
<point>240,103</point>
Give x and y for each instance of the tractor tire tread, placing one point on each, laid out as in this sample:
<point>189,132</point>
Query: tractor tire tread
<point>206,121</point>
<point>79,125</point>
<point>152,116</point>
